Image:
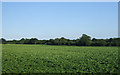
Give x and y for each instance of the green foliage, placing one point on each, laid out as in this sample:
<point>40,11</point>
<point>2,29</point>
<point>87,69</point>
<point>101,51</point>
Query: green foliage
<point>85,40</point>
<point>58,59</point>
<point>3,41</point>
<point>98,42</point>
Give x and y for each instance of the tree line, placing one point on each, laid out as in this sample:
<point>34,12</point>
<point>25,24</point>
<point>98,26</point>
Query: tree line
<point>84,40</point>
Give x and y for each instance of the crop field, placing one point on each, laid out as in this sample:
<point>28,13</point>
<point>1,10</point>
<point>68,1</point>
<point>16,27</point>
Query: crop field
<point>58,59</point>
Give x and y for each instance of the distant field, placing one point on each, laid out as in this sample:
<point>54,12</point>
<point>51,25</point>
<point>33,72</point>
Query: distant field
<point>58,59</point>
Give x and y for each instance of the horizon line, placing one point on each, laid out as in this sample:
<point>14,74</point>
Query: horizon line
<point>55,38</point>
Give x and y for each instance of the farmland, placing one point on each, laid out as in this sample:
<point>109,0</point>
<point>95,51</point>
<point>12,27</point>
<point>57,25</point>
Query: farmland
<point>18,58</point>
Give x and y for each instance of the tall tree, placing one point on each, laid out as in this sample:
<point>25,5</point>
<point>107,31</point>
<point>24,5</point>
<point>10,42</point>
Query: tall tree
<point>3,41</point>
<point>22,41</point>
<point>85,40</point>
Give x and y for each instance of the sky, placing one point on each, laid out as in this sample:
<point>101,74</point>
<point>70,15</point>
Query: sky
<point>49,20</point>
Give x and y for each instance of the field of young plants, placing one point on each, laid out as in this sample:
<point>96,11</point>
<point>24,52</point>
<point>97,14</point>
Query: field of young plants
<point>58,59</point>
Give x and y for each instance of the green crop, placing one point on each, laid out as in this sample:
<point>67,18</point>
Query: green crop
<point>58,59</point>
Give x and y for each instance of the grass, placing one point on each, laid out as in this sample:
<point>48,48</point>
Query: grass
<point>58,59</point>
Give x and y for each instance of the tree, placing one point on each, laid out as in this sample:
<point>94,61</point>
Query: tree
<point>3,41</point>
<point>14,41</point>
<point>22,41</point>
<point>85,40</point>
<point>115,42</point>
<point>27,41</point>
<point>109,42</point>
<point>50,42</point>
<point>71,42</point>
<point>62,41</point>
<point>33,41</point>
<point>99,42</point>
<point>56,41</point>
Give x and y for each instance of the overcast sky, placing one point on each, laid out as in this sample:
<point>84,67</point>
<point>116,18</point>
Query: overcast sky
<point>45,20</point>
